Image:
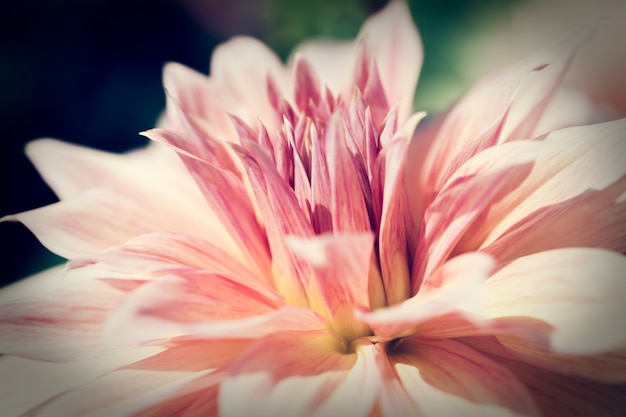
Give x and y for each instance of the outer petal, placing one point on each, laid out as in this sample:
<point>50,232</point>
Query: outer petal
<point>62,323</point>
<point>579,293</point>
<point>558,395</point>
<point>299,374</point>
<point>32,382</point>
<point>446,378</point>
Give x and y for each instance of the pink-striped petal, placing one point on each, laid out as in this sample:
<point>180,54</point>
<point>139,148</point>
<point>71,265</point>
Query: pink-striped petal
<point>64,322</point>
<point>340,265</point>
<point>456,287</point>
<point>313,376</point>
<point>577,292</point>
<point>397,48</point>
<point>557,395</point>
<point>446,378</point>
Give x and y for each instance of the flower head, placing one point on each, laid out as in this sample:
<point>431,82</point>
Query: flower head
<point>292,245</point>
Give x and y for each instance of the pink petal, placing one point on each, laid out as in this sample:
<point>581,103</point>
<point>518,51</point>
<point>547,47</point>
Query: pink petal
<point>93,221</point>
<point>242,66</point>
<point>454,287</point>
<point>158,252</point>
<point>446,378</point>
<point>348,209</point>
<point>71,170</point>
<point>63,322</point>
<point>558,395</point>
<point>330,60</point>
<point>298,374</point>
<point>123,392</point>
<point>607,368</point>
<point>577,178</point>
<point>466,199</point>
<point>392,235</point>
<point>204,305</point>
<point>33,382</point>
<point>578,292</point>
<point>340,265</point>
<point>397,49</point>
<point>197,96</point>
<point>487,105</point>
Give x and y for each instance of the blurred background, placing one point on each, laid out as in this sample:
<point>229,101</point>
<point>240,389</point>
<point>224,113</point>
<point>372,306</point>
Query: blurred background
<point>89,72</point>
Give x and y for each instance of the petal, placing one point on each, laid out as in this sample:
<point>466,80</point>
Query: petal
<point>330,60</point>
<point>33,382</point>
<point>340,265</point>
<point>158,252</point>
<point>242,66</point>
<point>397,49</point>
<point>579,177</point>
<point>577,292</point>
<point>392,233</point>
<point>95,220</point>
<point>607,368</point>
<point>348,209</point>
<point>298,374</point>
<point>62,323</point>
<point>466,199</point>
<point>444,377</point>
<point>454,287</point>
<point>120,393</point>
<point>71,170</point>
<point>558,395</point>
<point>486,108</point>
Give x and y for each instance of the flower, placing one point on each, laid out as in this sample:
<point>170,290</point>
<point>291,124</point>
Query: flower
<point>292,245</point>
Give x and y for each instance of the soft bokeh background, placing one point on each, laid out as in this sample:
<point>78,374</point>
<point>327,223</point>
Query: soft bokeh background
<point>89,72</point>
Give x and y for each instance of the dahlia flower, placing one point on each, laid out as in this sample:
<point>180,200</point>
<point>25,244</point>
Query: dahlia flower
<point>292,244</point>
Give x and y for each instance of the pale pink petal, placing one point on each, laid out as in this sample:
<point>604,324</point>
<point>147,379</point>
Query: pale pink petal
<point>577,292</point>
<point>466,199</point>
<point>348,209</point>
<point>392,233</point>
<point>312,376</point>
<point>197,97</point>
<point>158,252</point>
<point>397,49</point>
<point>64,322</point>
<point>332,61</point>
<point>608,367</point>
<point>577,178</point>
<point>119,393</point>
<point>71,170</point>
<point>481,118</point>
<point>205,305</point>
<point>454,287</point>
<point>95,220</point>
<point>446,378</point>
<point>340,265</point>
<point>558,395</point>
<point>241,66</point>
<point>33,382</point>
